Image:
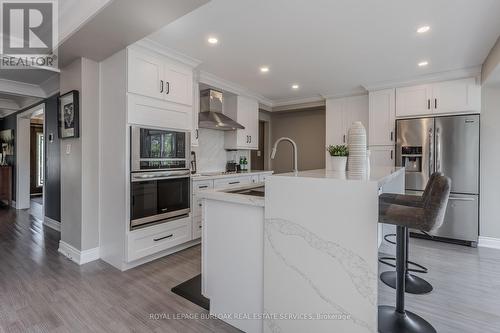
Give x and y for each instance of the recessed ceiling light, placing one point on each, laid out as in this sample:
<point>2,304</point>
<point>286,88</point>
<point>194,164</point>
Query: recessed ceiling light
<point>423,63</point>
<point>423,29</point>
<point>295,86</point>
<point>213,40</point>
<point>264,69</point>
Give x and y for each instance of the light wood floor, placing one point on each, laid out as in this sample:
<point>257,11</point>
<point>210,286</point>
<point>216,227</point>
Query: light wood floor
<point>41,291</point>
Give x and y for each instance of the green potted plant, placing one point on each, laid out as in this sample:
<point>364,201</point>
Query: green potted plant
<point>338,157</point>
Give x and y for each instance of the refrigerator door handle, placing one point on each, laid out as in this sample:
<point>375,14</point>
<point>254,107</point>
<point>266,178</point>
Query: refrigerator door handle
<point>461,199</point>
<point>431,151</point>
<point>438,151</point>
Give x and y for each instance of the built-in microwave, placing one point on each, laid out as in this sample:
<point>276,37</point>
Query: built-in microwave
<point>155,149</point>
<point>160,178</point>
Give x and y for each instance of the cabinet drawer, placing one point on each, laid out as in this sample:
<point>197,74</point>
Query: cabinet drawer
<point>262,178</point>
<point>147,241</point>
<point>229,182</point>
<point>202,185</point>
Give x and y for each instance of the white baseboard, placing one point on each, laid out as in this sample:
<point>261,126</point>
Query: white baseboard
<point>52,224</point>
<point>490,242</point>
<point>77,256</point>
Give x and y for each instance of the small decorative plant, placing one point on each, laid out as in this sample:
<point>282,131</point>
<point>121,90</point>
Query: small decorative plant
<point>338,150</point>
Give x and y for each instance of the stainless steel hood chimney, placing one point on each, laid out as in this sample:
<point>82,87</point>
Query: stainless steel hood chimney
<point>211,115</point>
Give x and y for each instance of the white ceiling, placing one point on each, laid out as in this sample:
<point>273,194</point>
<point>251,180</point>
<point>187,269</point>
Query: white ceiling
<point>332,47</point>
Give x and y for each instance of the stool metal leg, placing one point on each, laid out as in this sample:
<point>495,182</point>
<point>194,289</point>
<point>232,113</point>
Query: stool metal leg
<point>397,319</point>
<point>413,283</point>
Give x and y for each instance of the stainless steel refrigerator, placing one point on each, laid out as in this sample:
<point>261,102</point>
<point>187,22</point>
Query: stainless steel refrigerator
<point>449,145</point>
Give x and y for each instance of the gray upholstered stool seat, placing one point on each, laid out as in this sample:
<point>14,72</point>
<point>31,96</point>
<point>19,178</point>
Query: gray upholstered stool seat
<point>414,284</point>
<point>427,217</point>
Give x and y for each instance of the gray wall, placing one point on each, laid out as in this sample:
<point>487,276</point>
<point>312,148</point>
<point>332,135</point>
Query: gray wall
<point>307,129</point>
<point>80,159</point>
<point>490,162</point>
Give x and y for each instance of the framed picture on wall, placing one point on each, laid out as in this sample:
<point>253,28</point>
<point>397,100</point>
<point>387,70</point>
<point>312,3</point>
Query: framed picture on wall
<point>68,115</point>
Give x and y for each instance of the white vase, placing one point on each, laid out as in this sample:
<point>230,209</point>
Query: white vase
<point>357,149</point>
<point>338,163</point>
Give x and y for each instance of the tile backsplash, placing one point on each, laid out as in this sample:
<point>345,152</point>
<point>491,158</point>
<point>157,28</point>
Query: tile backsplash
<point>210,153</point>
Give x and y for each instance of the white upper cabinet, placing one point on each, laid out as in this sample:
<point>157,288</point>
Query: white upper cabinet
<point>178,84</point>
<point>457,96</point>
<point>382,117</point>
<point>157,76</point>
<point>413,101</point>
<point>245,111</point>
<point>145,74</point>
<point>447,97</point>
<point>341,113</point>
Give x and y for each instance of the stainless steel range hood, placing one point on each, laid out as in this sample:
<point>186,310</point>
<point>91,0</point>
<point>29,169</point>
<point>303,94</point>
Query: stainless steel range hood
<point>211,115</point>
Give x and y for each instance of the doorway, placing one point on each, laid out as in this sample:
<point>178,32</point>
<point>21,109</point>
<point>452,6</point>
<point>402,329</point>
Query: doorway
<point>30,164</point>
<point>257,159</point>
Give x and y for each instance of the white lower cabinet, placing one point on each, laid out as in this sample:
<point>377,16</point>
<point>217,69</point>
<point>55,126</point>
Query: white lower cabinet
<point>382,156</point>
<point>236,181</point>
<point>150,240</point>
<point>227,182</point>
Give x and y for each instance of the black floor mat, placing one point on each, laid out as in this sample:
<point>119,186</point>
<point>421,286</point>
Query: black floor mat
<point>191,290</point>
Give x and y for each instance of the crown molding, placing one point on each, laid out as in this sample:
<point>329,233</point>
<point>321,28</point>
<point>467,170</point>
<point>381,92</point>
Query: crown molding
<point>168,52</point>
<point>21,88</point>
<point>217,82</point>
<point>8,104</point>
<point>427,78</point>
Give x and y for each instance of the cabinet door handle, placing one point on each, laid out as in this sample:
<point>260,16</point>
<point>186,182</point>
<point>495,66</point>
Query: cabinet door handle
<point>344,138</point>
<point>197,134</point>
<point>203,186</point>
<point>161,86</point>
<point>392,135</point>
<point>428,104</point>
<point>435,103</point>
<point>250,139</point>
<point>168,88</point>
<point>162,238</point>
<point>392,154</point>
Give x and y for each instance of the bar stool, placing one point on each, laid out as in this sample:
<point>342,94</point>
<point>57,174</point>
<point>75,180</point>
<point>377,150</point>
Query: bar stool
<point>428,217</point>
<point>414,284</point>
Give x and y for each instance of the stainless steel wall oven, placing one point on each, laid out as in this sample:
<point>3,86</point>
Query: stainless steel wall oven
<point>160,176</point>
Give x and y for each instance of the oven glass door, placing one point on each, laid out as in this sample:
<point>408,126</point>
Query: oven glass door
<point>155,200</point>
<point>162,144</point>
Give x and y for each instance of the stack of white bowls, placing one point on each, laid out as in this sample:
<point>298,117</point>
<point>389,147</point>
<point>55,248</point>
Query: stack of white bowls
<point>356,163</point>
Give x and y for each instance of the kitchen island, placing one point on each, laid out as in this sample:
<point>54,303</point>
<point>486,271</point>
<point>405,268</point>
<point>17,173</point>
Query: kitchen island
<point>303,258</point>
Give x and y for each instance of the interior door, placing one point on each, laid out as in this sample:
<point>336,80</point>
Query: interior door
<point>457,151</point>
<point>415,150</point>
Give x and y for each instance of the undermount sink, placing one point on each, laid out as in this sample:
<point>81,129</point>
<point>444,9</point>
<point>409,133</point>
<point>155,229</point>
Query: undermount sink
<point>255,191</point>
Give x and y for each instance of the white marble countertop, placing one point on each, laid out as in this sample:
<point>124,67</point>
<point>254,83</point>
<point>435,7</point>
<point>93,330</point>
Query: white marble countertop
<point>382,175</point>
<point>222,194</point>
<point>208,175</point>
